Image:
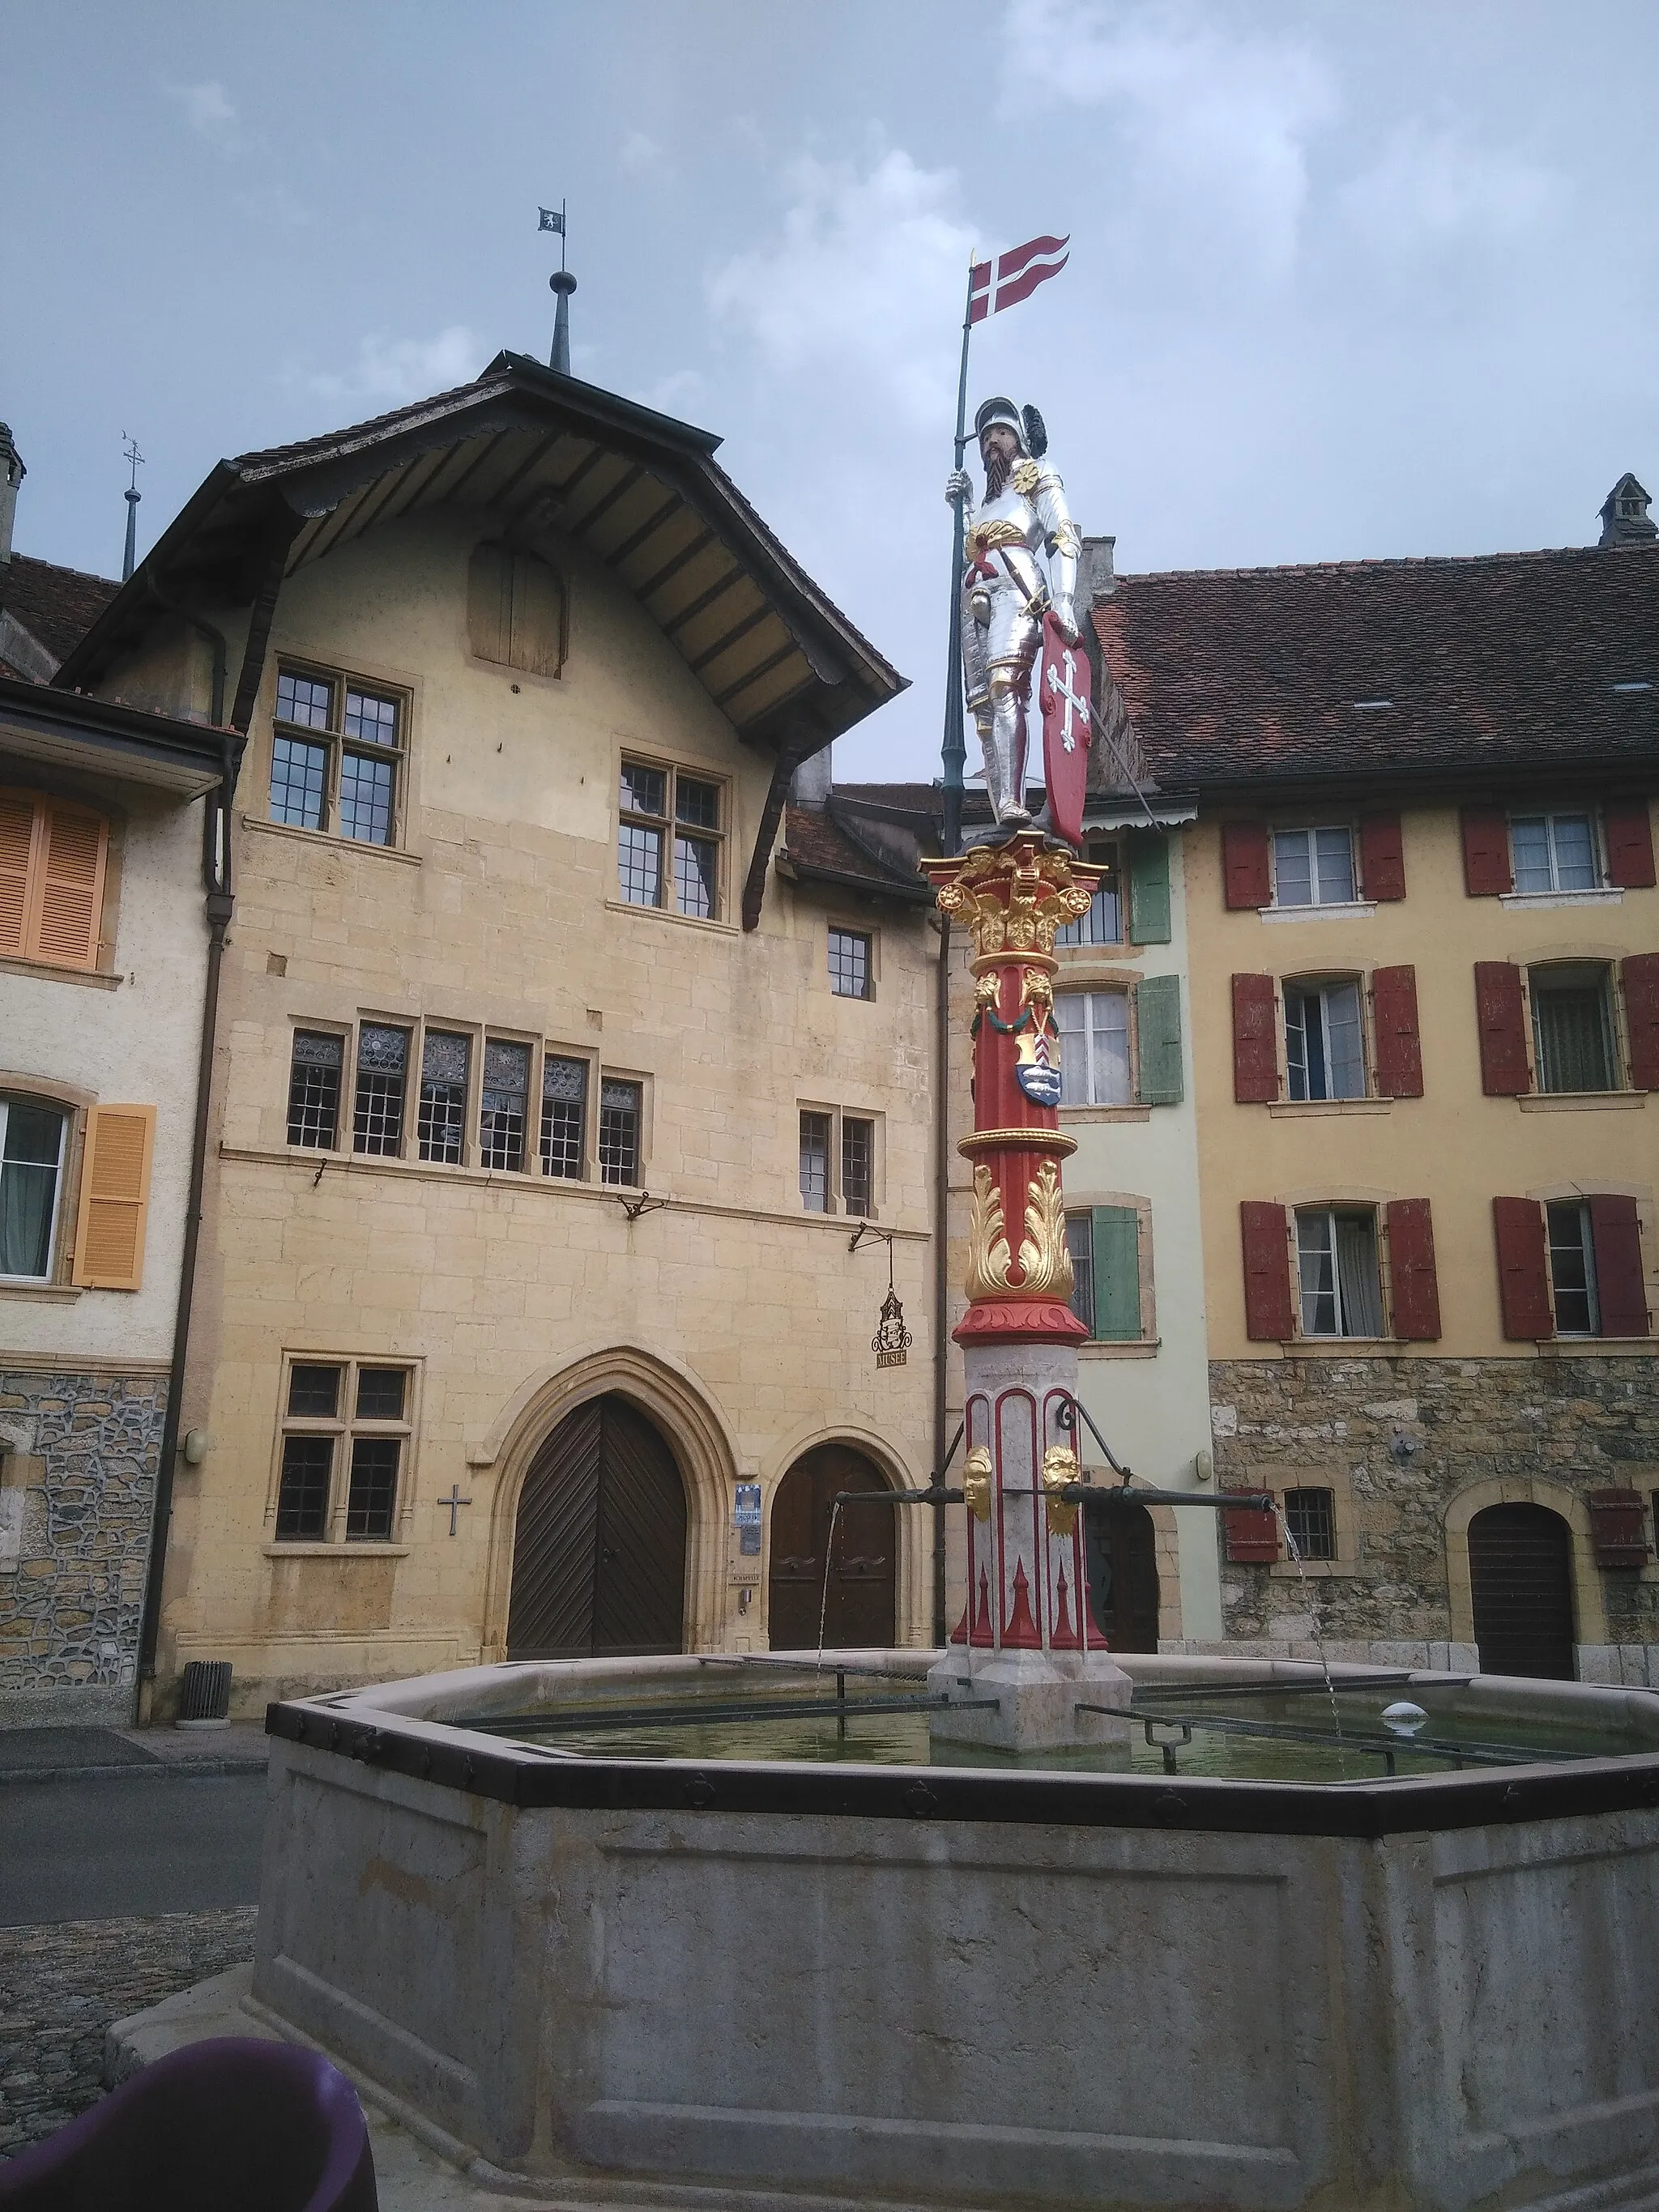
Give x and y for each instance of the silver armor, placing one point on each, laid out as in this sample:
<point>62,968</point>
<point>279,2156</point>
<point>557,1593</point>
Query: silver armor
<point>1005,595</point>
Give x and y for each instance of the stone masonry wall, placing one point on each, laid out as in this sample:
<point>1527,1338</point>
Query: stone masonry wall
<point>78,1458</point>
<point>1398,1440</point>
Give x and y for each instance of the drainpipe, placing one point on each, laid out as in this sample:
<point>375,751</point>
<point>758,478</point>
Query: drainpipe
<point>220,904</point>
<point>941,1259</point>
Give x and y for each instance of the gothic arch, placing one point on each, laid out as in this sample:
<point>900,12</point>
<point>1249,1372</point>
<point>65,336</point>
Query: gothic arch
<point>1588,1605</point>
<point>691,1424</point>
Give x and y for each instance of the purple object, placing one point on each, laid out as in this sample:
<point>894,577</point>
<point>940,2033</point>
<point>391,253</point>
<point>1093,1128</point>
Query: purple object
<point>264,2127</point>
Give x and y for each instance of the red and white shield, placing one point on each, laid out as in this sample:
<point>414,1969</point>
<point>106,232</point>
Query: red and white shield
<point>1065,681</point>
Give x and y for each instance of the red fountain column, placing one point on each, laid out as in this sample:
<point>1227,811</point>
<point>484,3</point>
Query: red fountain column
<point>1025,1636</point>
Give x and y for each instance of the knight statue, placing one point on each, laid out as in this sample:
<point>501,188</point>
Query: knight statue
<point>1006,594</point>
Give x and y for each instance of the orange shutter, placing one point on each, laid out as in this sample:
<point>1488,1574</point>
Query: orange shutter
<point>72,887</point>
<point>109,1239</point>
<point>17,821</point>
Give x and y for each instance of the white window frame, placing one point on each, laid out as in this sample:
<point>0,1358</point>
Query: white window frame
<point>1086,998</point>
<point>1587,1247</point>
<point>1317,900</point>
<point>1549,817</point>
<point>1320,986</point>
<point>66,1119</point>
<point>1611,1039</point>
<point>1328,1214</point>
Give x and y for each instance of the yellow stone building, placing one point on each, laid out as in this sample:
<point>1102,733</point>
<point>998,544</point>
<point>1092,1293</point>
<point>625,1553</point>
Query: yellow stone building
<point>1423,940</point>
<point>543,1109</point>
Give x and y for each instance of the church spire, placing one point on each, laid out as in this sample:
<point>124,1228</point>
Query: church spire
<point>135,460</point>
<point>563,283</point>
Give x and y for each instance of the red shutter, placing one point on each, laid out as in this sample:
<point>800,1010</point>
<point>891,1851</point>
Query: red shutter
<point>1486,852</point>
<point>1255,1040</point>
<point>1244,864</point>
<point>1382,856</point>
<point>1501,1014</point>
<point>1416,1288</point>
<point>1268,1315</point>
<point>1630,844</point>
<point>1638,976</point>
<point>1522,1285</point>
<point>1617,1530</point>
<point>1252,1533</point>
<point>1399,1047</point>
<point>1620,1292</point>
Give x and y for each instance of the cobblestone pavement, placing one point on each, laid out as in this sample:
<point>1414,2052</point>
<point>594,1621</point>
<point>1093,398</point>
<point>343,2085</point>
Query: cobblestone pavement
<point>61,1986</point>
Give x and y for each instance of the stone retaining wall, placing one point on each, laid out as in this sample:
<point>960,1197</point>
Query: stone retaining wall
<point>1408,1445</point>
<point>78,1458</point>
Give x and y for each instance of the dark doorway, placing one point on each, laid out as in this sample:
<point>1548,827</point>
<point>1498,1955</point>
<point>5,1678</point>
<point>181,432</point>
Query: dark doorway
<point>1521,1580</point>
<point>599,1547</point>
<point>861,1606</point>
<point>1122,1559</point>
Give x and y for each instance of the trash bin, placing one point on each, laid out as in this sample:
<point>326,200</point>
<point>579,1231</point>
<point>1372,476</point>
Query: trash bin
<point>205,1694</point>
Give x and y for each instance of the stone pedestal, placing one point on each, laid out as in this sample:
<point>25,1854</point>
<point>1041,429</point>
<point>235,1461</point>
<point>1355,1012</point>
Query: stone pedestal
<point>1026,1637</point>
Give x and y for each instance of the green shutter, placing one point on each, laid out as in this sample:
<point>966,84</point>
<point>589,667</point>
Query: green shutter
<point>1117,1273</point>
<point>1157,1018</point>
<point>1149,887</point>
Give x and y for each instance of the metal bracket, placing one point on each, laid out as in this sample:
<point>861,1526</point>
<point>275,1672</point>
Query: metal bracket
<point>633,1207</point>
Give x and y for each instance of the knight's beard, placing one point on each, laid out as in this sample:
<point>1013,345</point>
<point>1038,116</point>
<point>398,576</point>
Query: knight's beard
<point>997,465</point>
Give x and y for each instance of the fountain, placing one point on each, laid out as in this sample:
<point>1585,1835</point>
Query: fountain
<point>1017,1923</point>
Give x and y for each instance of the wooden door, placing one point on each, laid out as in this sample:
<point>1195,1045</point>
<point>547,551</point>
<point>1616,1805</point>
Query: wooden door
<point>862,1607</point>
<point>599,1549</point>
<point>1121,1553</point>
<point>1521,1580</point>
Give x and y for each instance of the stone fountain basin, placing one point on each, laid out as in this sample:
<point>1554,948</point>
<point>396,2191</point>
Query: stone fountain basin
<point>974,1988</point>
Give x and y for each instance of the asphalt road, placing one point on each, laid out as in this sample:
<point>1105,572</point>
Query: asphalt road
<point>130,1844</point>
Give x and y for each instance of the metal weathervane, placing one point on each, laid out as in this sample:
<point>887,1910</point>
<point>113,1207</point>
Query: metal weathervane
<point>562,282</point>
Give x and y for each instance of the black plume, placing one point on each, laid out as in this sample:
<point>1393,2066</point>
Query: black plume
<point>1037,433</point>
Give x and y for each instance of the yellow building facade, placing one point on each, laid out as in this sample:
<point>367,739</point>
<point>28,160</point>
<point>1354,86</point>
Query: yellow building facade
<point>543,1108</point>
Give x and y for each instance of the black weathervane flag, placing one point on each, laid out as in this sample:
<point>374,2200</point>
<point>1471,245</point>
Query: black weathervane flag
<point>551,219</point>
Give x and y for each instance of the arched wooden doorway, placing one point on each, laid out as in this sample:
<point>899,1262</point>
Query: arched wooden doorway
<point>598,1546</point>
<point>1122,1566</point>
<point>861,1609</point>
<point>1521,1583</point>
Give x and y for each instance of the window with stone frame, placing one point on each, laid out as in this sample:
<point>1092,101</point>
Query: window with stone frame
<point>504,1105</point>
<point>1340,1281</point>
<point>840,1166</point>
<point>815,1140</point>
<point>440,1116</point>
<point>1310,1521</point>
<point>1551,852</point>
<point>343,1447</point>
<point>1325,1038</point>
<point>377,1123</point>
<point>564,1116</point>
<point>622,1124</point>
<point>1094,1048</point>
<point>1573,1286</point>
<point>851,972</point>
<point>671,840</point>
<point>314,1089</point>
<point>338,750</point>
<point>34,1154</point>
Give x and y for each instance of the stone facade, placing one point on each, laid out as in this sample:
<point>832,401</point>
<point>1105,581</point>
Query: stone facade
<point>1411,1448</point>
<point>78,1455</point>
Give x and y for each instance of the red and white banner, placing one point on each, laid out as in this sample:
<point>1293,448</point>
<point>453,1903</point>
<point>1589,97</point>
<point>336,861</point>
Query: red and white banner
<point>1016,275</point>
<point>1064,684</point>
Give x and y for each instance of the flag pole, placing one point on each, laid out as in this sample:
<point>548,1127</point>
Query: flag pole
<point>953,752</point>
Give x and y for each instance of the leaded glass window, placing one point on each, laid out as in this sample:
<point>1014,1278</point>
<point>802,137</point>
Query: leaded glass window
<point>505,1105</point>
<point>564,1104</point>
<point>382,1074</point>
<point>314,1090</point>
<point>441,1127</point>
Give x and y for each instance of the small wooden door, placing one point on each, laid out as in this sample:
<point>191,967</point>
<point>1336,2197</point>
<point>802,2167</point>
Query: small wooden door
<point>1521,1580</point>
<point>598,1546</point>
<point>1122,1552</point>
<point>861,1609</point>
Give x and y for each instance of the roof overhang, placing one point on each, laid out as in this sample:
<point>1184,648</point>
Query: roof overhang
<point>123,745</point>
<point>561,463</point>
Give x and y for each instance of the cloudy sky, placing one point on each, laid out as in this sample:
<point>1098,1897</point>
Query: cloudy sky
<point>1378,278</point>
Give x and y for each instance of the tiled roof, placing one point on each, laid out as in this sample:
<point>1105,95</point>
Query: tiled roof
<point>1505,663</point>
<point>819,847</point>
<point>57,606</point>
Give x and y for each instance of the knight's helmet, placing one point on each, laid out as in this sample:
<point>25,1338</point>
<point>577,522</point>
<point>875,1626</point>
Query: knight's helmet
<point>1026,422</point>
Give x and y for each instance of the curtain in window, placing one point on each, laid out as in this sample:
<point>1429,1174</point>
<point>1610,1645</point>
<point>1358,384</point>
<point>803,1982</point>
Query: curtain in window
<point>28,1189</point>
<point>1573,1041</point>
<point>1318,1275</point>
<point>1356,1275</point>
